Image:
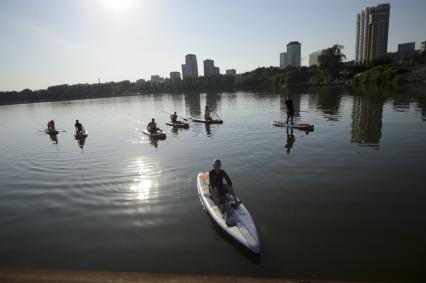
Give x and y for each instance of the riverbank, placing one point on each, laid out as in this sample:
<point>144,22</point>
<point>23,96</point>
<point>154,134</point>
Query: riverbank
<point>24,275</point>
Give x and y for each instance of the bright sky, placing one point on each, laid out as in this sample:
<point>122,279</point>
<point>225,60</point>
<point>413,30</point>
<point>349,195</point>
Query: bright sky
<point>50,42</point>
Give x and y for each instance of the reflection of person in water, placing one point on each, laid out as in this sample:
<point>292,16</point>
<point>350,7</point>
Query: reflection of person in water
<point>290,139</point>
<point>81,141</point>
<point>54,138</point>
<point>208,129</point>
<point>153,141</point>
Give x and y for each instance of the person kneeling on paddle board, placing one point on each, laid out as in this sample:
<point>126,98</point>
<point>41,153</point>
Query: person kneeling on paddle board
<point>217,187</point>
<point>78,127</point>
<point>152,126</point>
<point>173,117</point>
<point>51,125</point>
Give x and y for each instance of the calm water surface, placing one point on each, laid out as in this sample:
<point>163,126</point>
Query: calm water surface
<point>346,201</point>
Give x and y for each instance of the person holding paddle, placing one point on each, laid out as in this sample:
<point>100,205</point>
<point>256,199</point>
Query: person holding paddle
<point>51,125</point>
<point>152,126</point>
<point>173,117</point>
<point>217,187</point>
<point>207,114</point>
<point>290,110</point>
<point>78,127</point>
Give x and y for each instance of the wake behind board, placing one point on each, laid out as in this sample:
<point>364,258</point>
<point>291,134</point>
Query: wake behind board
<point>240,224</point>
<point>299,126</point>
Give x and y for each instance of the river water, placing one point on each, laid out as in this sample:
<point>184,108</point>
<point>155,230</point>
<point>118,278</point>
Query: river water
<point>346,201</point>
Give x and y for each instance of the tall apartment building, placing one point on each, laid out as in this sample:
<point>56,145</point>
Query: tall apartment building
<point>423,46</point>
<point>216,71</point>
<point>372,28</point>
<point>208,67</point>
<point>190,68</point>
<point>231,72</point>
<point>174,75</point>
<point>313,57</point>
<point>283,59</point>
<point>293,54</point>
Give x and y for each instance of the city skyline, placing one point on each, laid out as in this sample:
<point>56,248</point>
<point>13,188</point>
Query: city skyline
<point>48,43</point>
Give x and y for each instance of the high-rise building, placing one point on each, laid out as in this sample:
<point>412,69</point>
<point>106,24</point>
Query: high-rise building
<point>293,54</point>
<point>216,71</point>
<point>406,47</point>
<point>283,61</point>
<point>174,75</point>
<point>231,72</point>
<point>372,28</point>
<point>156,79</point>
<point>423,46</point>
<point>208,67</point>
<point>313,57</point>
<point>190,68</point>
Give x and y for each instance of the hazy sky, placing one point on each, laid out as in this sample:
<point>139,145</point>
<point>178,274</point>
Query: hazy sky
<point>50,42</point>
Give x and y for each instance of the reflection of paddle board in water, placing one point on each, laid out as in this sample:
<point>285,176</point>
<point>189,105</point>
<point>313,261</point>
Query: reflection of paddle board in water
<point>236,222</point>
<point>300,126</point>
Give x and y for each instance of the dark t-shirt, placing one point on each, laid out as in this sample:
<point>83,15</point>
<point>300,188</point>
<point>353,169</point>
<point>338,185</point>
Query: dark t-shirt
<point>79,126</point>
<point>216,179</point>
<point>290,107</point>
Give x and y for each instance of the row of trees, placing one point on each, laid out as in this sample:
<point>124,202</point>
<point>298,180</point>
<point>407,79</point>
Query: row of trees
<point>331,68</point>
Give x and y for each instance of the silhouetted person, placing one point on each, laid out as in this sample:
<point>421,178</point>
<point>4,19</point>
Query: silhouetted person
<point>290,109</point>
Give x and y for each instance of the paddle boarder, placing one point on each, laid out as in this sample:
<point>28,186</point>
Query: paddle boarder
<point>173,117</point>
<point>51,125</point>
<point>207,114</point>
<point>290,110</point>
<point>152,126</point>
<point>78,127</point>
<point>218,188</point>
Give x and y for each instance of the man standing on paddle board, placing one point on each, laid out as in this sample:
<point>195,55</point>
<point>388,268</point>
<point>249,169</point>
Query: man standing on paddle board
<point>218,188</point>
<point>290,109</point>
<point>207,113</point>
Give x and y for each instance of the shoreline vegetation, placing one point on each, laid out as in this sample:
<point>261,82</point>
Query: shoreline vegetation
<point>331,70</point>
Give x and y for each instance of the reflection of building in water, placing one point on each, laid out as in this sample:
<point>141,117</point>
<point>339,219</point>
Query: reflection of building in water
<point>366,120</point>
<point>421,102</point>
<point>192,103</point>
<point>328,100</point>
<point>213,100</point>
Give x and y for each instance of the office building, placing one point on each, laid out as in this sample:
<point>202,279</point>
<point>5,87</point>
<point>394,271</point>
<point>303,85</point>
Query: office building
<point>423,46</point>
<point>372,28</point>
<point>313,57</point>
<point>174,75</point>
<point>156,79</point>
<point>208,67</point>
<point>231,72</point>
<point>283,61</point>
<point>406,47</point>
<point>190,68</point>
<point>293,54</point>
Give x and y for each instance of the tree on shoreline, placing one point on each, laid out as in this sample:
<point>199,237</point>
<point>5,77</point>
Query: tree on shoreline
<point>331,61</point>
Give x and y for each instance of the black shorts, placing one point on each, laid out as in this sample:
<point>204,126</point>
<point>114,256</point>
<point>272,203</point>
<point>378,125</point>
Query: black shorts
<point>290,113</point>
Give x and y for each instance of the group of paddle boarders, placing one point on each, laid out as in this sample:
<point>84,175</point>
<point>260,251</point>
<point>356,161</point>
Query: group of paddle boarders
<point>79,129</point>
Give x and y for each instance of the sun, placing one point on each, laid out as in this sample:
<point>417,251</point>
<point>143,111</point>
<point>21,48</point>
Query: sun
<point>118,6</point>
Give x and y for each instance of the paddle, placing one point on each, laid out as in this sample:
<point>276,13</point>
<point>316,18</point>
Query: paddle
<point>186,119</point>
